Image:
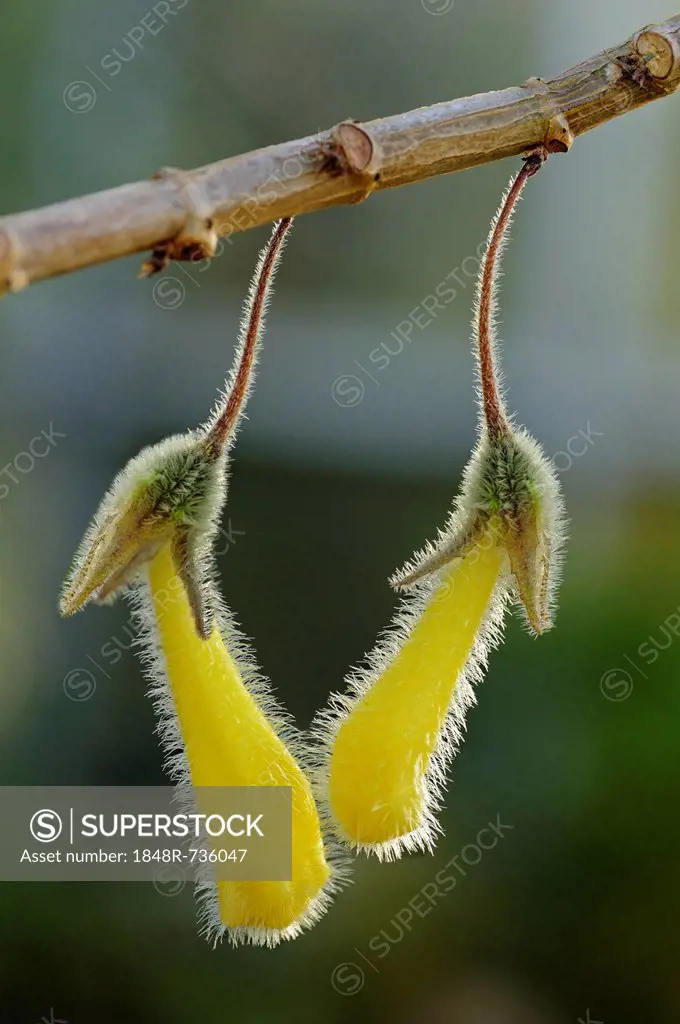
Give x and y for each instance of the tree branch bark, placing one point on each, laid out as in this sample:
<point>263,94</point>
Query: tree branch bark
<point>181,214</point>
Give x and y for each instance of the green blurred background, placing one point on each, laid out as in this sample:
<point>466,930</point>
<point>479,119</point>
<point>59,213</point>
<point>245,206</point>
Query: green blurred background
<point>574,915</point>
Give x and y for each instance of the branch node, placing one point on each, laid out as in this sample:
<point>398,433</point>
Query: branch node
<point>12,276</point>
<point>352,151</point>
<point>558,136</point>
<point>658,56</point>
<point>197,240</point>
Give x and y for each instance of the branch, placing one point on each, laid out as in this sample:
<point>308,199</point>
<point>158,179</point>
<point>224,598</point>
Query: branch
<point>181,214</point>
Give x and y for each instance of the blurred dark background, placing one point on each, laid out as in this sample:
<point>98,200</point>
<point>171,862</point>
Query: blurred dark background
<point>574,742</point>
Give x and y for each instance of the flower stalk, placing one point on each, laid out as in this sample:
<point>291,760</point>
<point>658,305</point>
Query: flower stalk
<point>220,725</point>
<point>388,741</point>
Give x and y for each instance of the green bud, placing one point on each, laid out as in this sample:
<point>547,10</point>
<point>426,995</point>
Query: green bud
<point>170,492</point>
<point>509,485</point>
<point>173,492</point>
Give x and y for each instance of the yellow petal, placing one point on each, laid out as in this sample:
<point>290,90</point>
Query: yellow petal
<point>385,746</point>
<point>229,742</point>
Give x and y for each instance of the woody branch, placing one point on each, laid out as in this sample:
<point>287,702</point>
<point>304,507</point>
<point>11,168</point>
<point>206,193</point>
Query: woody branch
<point>182,214</point>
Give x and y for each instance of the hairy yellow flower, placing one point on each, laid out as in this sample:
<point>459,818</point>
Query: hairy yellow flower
<point>219,723</point>
<point>388,741</point>
<point>393,734</point>
<point>221,719</point>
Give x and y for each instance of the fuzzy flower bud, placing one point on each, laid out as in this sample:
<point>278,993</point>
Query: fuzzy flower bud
<point>219,723</point>
<point>386,744</point>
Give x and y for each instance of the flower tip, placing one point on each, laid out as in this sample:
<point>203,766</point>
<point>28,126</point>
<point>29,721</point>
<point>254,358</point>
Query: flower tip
<point>531,582</point>
<point>79,592</point>
<point>69,604</point>
<point>79,589</point>
<point>539,625</point>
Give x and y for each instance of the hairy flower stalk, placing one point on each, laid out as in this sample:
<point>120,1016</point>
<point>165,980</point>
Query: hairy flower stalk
<point>219,723</point>
<point>389,739</point>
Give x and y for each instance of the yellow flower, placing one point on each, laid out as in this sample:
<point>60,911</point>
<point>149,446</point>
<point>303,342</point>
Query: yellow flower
<point>229,731</point>
<point>220,725</point>
<point>389,753</point>
<point>389,740</point>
